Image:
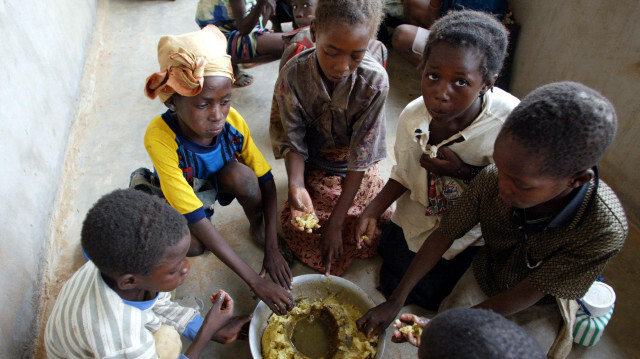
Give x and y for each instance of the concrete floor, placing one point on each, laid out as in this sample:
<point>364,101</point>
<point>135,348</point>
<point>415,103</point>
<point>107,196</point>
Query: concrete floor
<point>106,145</point>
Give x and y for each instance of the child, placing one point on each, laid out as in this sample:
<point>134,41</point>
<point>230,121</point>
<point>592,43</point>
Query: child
<point>466,333</point>
<point>300,39</point>
<point>409,39</point>
<point>247,39</point>
<point>115,302</point>
<point>331,132</point>
<point>550,225</point>
<point>203,152</point>
<point>458,116</point>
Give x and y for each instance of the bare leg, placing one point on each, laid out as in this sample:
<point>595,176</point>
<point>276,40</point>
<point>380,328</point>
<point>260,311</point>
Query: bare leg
<point>240,181</point>
<point>402,43</point>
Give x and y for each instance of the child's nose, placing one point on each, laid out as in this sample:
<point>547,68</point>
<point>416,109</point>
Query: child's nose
<point>342,64</point>
<point>216,114</point>
<point>443,91</point>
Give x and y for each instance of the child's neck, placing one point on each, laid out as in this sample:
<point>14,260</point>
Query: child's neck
<point>441,130</point>
<point>552,207</point>
<point>132,295</point>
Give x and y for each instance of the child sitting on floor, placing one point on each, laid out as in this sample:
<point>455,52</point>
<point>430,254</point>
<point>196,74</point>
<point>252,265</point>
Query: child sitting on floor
<point>458,119</point>
<point>112,306</point>
<point>300,39</point>
<point>203,152</point>
<point>247,38</point>
<point>331,133</point>
<point>550,225</point>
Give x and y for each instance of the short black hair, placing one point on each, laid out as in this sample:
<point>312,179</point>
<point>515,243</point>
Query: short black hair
<point>127,232</point>
<point>349,12</point>
<point>467,333</point>
<point>472,29</point>
<point>567,125</point>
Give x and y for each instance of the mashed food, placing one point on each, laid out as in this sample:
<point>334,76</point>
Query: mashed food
<point>322,329</point>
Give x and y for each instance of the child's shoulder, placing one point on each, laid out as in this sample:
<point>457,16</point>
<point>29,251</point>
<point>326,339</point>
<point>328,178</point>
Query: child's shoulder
<point>610,208</point>
<point>372,72</point>
<point>499,103</point>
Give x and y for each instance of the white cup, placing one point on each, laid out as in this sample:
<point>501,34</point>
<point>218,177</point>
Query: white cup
<point>599,299</point>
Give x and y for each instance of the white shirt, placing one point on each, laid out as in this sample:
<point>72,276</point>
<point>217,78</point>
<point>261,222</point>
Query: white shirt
<point>90,320</point>
<point>475,150</point>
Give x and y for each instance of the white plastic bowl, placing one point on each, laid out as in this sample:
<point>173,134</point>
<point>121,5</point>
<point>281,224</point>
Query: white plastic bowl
<point>313,286</point>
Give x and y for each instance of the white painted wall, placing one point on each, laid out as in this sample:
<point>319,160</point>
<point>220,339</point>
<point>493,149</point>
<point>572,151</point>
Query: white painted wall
<point>43,49</point>
<point>596,42</point>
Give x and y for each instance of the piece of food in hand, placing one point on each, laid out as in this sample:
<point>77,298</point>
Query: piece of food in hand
<point>309,222</point>
<point>363,238</point>
<point>415,329</point>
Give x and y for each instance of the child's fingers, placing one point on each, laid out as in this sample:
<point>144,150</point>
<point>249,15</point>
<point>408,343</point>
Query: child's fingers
<point>263,273</point>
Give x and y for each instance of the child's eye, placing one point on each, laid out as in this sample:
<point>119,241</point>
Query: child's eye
<point>225,102</point>
<point>295,7</point>
<point>306,5</point>
<point>432,77</point>
<point>461,82</point>
<point>330,54</point>
<point>202,106</point>
<point>357,58</point>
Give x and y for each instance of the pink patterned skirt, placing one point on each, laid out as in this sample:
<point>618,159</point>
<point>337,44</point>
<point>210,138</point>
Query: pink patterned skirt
<point>325,189</point>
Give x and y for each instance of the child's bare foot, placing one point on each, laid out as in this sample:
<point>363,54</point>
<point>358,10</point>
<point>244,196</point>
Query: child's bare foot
<point>235,328</point>
<point>243,79</point>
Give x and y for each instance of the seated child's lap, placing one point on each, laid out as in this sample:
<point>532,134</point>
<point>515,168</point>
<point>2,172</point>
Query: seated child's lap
<point>325,190</point>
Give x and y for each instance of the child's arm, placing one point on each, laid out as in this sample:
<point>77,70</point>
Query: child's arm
<point>216,317</point>
<point>331,237</point>
<point>513,300</point>
<point>275,297</point>
<point>366,224</point>
<point>273,262</point>
<point>245,24</point>
<point>378,319</point>
<point>299,199</point>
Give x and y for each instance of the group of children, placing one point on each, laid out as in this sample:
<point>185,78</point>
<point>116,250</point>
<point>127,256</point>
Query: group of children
<point>498,202</point>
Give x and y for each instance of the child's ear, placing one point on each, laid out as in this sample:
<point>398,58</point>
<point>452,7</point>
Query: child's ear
<point>312,30</point>
<point>127,281</point>
<point>581,178</point>
<point>488,85</point>
<point>170,104</point>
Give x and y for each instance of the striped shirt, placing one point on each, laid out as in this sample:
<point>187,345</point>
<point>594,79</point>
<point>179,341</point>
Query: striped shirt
<point>90,320</point>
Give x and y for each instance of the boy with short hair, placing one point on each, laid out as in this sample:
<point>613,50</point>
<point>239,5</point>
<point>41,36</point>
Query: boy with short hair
<point>550,225</point>
<point>113,304</point>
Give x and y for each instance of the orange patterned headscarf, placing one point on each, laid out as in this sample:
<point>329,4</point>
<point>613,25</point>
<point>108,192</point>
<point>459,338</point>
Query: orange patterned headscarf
<point>185,60</point>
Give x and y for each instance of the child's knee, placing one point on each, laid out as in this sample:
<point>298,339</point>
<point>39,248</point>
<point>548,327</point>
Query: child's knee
<point>238,179</point>
<point>403,37</point>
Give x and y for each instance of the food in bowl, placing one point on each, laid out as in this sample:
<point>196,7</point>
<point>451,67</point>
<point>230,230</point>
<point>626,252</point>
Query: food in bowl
<point>320,329</point>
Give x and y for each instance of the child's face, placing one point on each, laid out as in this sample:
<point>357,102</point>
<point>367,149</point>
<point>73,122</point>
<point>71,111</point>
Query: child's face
<point>520,183</point>
<point>452,82</point>
<point>340,49</point>
<point>203,116</point>
<point>303,11</point>
<point>171,271</point>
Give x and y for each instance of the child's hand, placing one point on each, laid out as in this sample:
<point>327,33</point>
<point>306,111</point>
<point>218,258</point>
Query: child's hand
<point>278,299</point>
<point>365,228</point>
<point>377,319</point>
<point>409,328</point>
<point>237,327</point>
<point>446,164</point>
<point>331,242</point>
<point>299,204</point>
<point>218,315</point>
<point>278,269</point>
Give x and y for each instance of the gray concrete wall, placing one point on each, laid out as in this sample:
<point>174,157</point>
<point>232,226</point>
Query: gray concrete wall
<point>43,51</point>
<point>596,42</point>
